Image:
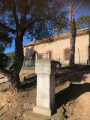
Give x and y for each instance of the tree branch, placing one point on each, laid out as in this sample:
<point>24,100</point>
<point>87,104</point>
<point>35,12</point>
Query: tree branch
<point>7,28</point>
<point>24,17</point>
<point>31,22</point>
<point>13,7</point>
<point>72,3</point>
<point>64,4</point>
<point>78,6</point>
<point>31,4</point>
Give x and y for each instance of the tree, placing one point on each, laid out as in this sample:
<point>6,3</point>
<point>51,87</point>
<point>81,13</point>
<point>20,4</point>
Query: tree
<point>5,41</point>
<point>35,18</point>
<point>72,28</point>
<point>83,22</point>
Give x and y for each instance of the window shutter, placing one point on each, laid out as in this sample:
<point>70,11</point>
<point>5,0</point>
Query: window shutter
<point>50,54</point>
<point>67,53</point>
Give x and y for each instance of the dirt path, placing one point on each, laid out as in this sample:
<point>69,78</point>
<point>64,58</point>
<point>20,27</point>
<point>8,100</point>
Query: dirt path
<point>79,109</point>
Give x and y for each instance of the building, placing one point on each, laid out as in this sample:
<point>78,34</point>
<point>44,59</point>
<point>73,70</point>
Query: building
<point>58,48</point>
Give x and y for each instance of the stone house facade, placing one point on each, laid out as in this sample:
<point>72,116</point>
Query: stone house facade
<point>58,47</point>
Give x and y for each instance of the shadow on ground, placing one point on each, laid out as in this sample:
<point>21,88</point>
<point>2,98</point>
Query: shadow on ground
<point>74,90</point>
<point>29,82</point>
<point>70,93</point>
<point>71,75</point>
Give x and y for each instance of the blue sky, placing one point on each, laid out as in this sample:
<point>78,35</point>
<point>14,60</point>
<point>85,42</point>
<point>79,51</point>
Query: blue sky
<point>83,10</point>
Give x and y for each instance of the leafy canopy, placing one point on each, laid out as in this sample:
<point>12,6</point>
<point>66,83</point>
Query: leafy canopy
<point>34,18</point>
<point>5,41</point>
<point>83,22</point>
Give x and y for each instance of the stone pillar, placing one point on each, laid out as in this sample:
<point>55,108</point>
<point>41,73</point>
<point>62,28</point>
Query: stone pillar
<point>45,102</point>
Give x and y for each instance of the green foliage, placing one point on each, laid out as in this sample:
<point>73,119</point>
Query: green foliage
<point>83,22</point>
<point>63,117</point>
<point>5,41</point>
<point>11,55</point>
<point>3,60</point>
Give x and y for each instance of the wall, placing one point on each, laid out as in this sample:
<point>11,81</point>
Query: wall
<point>57,48</point>
<point>81,52</point>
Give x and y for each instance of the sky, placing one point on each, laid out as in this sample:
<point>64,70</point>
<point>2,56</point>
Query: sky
<point>83,10</point>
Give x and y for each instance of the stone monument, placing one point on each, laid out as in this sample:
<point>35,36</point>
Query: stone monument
<point>45,102</point>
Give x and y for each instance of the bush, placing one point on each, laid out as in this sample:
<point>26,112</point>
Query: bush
<point>4,60</point>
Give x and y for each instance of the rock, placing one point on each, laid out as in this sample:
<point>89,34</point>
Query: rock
<point>3,80</point>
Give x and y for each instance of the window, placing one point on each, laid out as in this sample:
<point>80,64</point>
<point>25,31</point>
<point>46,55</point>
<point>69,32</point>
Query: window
<point>67,53</point>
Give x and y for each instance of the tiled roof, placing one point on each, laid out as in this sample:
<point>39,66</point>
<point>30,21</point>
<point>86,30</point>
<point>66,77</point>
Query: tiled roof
<point>30,44</point>
<point>58,37</point>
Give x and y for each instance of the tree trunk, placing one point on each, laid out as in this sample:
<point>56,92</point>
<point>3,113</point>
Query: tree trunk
<point>72,37</point>
<point>16,67</point>
<point>15,80</point>
<point>89,48</point>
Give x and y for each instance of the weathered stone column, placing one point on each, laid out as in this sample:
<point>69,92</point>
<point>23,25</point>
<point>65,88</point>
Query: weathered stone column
<point>45,103</point>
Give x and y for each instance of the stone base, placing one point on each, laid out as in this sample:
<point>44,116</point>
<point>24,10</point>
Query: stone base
<point>88,62</point>
<point>42,111</point>
<point>31,116</point>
